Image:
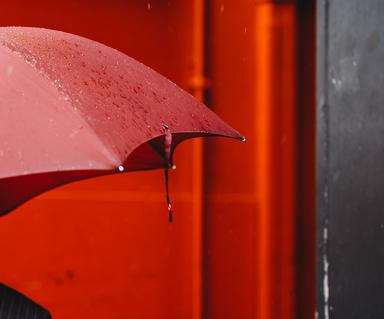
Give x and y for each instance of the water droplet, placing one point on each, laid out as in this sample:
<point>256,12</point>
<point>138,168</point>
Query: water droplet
<point>170,213</point>
<point>73,133</point>
<point>121,168</point>
<point>243,139</point>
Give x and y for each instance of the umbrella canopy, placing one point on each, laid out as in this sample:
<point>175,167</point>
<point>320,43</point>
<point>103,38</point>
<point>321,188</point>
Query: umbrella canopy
<point>72,108</point>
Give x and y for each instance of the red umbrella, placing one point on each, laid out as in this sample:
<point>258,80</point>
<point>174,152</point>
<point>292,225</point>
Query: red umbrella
<point>72,108</point>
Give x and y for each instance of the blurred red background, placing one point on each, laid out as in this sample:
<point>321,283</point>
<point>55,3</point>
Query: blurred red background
<point>242,244</point>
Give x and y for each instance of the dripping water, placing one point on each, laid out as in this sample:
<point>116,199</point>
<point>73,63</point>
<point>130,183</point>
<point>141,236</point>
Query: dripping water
<point>170,214</point>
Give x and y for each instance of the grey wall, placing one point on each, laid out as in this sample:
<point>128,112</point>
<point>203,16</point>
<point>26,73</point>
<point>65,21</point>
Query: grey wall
<point>350,159</point>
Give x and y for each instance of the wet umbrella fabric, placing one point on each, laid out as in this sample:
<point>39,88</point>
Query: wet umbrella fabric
<point>14,305</point>
<point>72,108</point>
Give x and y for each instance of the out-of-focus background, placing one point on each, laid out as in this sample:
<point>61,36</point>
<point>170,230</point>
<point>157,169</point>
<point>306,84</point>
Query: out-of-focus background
<point>242,242</point>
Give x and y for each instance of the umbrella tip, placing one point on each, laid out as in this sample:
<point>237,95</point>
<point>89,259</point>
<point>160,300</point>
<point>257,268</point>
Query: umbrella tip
<point>121,168</point>
<point>243,139</point>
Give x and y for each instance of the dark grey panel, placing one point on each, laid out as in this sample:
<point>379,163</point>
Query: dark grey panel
<point>350,159</point>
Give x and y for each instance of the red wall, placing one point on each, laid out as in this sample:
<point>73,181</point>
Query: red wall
<point>103,248</point>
